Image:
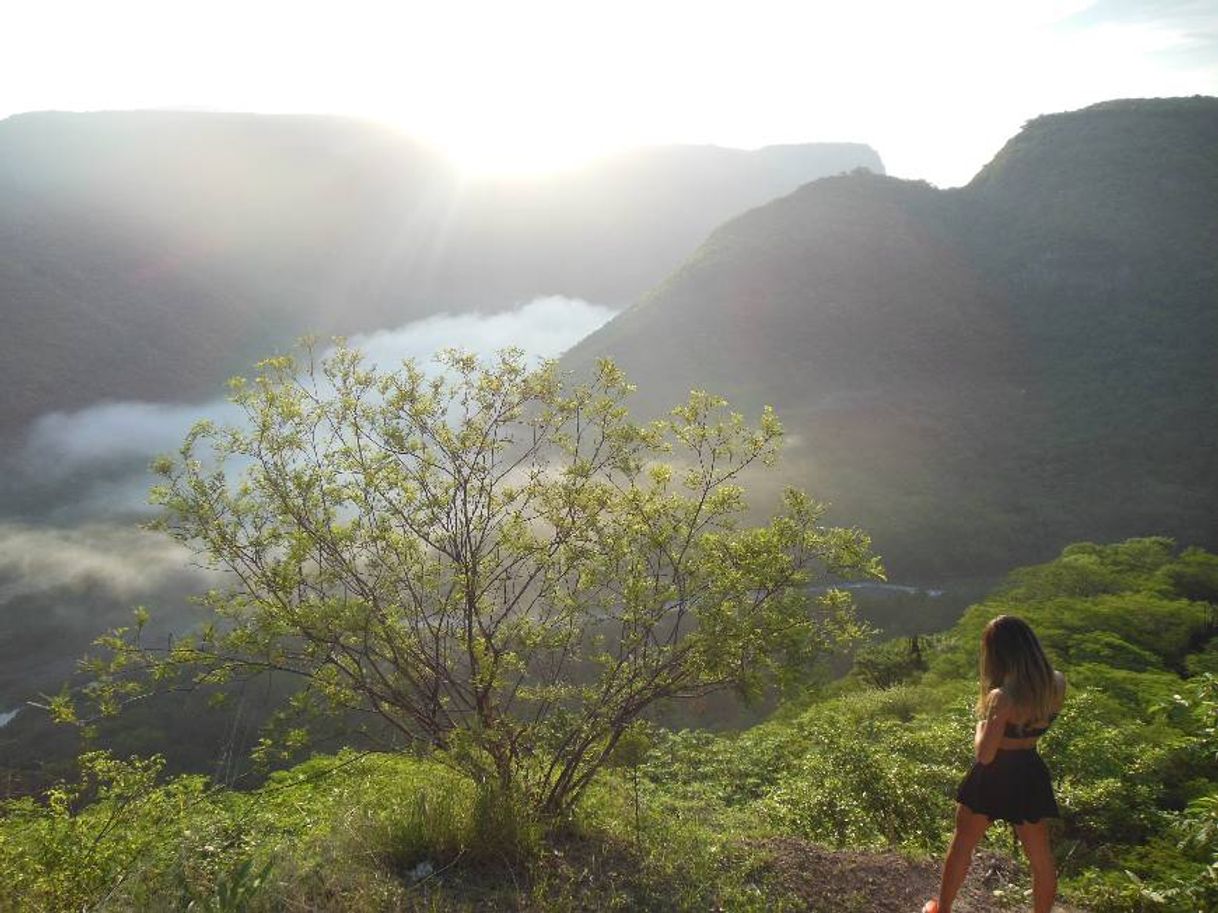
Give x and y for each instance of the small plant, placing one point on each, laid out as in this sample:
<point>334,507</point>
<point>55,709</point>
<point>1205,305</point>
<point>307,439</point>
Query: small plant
<point>629,754</point>
<point>233,891</point>
<point>434,827</point>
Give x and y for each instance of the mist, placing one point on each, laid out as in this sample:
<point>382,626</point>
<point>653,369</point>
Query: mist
<point>543,328</point>
<point>91,464</point>
<point>73,559</point>
<point>61,587</point>
<point>113,560</point>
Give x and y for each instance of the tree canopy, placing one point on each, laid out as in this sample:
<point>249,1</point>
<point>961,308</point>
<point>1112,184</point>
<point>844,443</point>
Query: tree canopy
<point>491,560</point>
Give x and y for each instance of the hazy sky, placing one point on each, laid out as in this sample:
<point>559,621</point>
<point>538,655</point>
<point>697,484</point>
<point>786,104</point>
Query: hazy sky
<point>936,86</point>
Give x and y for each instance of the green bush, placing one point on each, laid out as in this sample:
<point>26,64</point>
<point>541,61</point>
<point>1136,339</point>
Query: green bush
<point>889,663</point>
<point>1205,661</point>
<point>115,835</point>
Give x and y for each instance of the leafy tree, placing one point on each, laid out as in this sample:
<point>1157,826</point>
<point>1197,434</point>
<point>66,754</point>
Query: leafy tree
<point>891,662</point>
<point>491,561</point>
<point>1194,575</point>
<point>1127,605</point>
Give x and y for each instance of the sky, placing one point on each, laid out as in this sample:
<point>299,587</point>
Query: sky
<point>529,85</point>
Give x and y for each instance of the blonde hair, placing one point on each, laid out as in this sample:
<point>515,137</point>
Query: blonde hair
<point>1012,659</point>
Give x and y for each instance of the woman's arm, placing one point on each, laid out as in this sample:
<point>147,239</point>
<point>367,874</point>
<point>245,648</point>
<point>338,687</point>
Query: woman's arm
<point>989,731</point>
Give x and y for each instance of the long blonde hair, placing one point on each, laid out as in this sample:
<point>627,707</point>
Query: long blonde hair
<point>1012,659</point>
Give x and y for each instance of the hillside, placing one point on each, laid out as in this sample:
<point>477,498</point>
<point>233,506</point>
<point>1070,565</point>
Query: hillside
<point>150,255</point>
<point>842,800</point>
<point>977,375</point>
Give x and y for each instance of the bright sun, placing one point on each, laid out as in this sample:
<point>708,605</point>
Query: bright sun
<point>484,140</point>
<point>490,151</point>
<point>531,106</point>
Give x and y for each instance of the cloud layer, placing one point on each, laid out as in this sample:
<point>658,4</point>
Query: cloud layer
<point>545,328</point>
<point>122,563</point>
<point>92,464</point>
<point>62,443</point>
<point>72,560</point>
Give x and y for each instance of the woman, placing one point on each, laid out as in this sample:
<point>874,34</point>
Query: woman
<point>1020,696</point>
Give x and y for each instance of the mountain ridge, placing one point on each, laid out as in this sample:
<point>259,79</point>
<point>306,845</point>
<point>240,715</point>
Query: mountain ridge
<point>971,373</point>
<point>149,255</point>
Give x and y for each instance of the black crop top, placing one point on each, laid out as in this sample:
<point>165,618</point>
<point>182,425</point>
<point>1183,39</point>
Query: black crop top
<point>1024,731</point>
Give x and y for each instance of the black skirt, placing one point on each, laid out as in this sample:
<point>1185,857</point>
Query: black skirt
<point>1015,787</point>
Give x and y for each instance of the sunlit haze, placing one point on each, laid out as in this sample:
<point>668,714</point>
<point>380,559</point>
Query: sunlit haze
<point>527,86</point>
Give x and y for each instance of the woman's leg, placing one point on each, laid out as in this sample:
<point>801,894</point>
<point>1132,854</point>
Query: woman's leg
<point>1035,839</point>
<point>970,828</point>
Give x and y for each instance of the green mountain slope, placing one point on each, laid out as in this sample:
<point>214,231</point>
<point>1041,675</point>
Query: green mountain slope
<point>976,376</point>
<point>151,254</point>
<point>841,800</point>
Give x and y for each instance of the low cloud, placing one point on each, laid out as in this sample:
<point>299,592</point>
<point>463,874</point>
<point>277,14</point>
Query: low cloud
<point>62,443</point>
<point>544,328</point>
<point>60,588</point>
<point>92,464</point>
<point>72,561</point>
<point>123,563</point>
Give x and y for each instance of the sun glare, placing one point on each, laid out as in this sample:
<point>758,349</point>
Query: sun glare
<point>486,152</point>
<point>515,131</point>
<point>537,86</point>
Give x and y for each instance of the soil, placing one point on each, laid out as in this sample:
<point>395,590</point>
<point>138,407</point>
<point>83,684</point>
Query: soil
<point>820,880</point>
<point>793,875</point>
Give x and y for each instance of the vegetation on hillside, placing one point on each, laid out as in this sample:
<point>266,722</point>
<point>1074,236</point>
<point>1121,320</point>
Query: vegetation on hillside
<point>976,376</point>
<point>690,820</point>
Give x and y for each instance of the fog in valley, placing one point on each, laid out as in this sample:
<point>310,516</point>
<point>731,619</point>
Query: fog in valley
<point>74,560</point>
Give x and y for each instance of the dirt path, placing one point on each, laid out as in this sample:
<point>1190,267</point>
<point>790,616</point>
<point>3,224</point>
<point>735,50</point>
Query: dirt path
<point>829,881</point>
